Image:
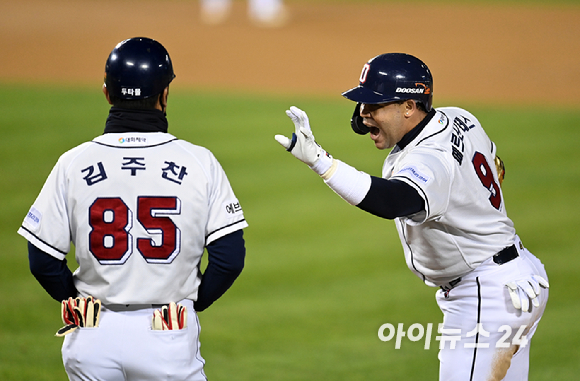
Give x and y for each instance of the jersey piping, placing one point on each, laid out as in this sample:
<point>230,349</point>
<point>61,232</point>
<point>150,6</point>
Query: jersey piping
<point>411,257</point>
<point>438,132</point>
<point>41,240</point>
<point>224,227</point>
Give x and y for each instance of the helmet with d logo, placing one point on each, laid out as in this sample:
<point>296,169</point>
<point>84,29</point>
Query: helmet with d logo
<point>388,78</point>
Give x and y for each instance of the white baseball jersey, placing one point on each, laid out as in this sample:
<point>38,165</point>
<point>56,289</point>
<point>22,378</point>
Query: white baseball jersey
<point>451,164</point>
<point>139,208</point>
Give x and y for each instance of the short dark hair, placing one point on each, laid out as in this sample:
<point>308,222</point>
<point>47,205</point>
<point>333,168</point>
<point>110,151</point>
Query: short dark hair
<point>421,106</point>
<point>135,104</point>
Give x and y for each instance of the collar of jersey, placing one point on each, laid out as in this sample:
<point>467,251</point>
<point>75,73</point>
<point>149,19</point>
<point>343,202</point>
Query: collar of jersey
<point>134,139</point>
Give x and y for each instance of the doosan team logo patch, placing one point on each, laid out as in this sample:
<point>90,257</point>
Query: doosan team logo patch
<point>420,88</point>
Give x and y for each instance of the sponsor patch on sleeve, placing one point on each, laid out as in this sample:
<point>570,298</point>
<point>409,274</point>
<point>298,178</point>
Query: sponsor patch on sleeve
<point>33,218</point>
<point>414,173</point>
<point>232,208</point>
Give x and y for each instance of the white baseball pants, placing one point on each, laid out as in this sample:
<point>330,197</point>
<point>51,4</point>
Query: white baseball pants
<point>481,300</point>
<point>124,348</point>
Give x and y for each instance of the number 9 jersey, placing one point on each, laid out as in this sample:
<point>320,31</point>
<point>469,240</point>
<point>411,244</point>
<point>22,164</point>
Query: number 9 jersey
<point>451,165</point>
<point>140,209</point>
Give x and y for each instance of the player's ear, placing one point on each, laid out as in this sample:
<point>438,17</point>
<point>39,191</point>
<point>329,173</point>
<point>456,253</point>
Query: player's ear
<point>409,107</point>
<point>106,92</point>
<point>163,99</point>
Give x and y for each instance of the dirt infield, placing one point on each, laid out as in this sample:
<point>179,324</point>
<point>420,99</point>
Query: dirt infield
<point>476,53</point>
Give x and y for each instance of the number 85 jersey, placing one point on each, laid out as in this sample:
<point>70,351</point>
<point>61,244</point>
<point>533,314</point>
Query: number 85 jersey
<point>451,165</point>
<point>140,209</point>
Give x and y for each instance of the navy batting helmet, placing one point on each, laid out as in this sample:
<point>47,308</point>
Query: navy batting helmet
<point>138,68</point>
<point>393,77</point>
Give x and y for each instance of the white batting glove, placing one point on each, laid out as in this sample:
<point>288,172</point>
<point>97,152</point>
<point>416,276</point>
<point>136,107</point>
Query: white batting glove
<point>79,312</point>
<point>523,290</point>
<point>302,144</point>
<point>169,317</point>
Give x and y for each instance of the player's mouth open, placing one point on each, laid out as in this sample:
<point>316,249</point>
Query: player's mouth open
<point>374,131</point>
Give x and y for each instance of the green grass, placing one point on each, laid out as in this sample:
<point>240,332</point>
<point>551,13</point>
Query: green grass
<point>321,276</point>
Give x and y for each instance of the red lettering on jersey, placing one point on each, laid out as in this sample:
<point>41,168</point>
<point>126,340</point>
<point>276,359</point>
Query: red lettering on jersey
<point>483,171</point>
<point>150,214</point>
<point>111,220</point>
<point>109,239</point>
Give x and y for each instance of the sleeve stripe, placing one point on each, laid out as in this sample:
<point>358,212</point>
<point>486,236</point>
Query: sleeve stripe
<point>242,221</point>
<point>44,242</point>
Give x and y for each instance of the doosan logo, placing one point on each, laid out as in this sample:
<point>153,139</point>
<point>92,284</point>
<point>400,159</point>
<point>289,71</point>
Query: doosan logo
<point>414,90</point>
<point>409,90</point>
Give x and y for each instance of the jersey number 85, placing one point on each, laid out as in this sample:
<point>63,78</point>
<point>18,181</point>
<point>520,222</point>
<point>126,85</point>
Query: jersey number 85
<point>111,220</point>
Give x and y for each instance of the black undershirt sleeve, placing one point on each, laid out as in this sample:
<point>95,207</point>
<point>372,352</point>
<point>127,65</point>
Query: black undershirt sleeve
<point>391,199</point>
<point>226,257</point>
<point>52,274</point>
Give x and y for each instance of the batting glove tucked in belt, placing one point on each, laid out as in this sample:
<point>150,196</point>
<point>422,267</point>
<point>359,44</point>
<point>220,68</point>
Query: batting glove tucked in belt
<point>302,145</point>
<point>500,167</point>
<point>523,290</point>
<point>79,312</point>
<point>169,317</point>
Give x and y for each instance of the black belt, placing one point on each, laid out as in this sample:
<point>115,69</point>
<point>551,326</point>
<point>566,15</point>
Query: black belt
<point>506,255</point>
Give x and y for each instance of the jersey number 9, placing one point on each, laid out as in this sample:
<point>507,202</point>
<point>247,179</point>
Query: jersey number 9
<point>483,171</point>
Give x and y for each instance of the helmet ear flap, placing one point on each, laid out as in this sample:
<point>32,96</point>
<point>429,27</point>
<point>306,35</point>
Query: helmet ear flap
<point>356,122</point>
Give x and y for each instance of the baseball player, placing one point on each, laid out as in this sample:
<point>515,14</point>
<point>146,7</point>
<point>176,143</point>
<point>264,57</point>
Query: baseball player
<point>140,207</point>
<point>441,185</point>
<point>262,13</point>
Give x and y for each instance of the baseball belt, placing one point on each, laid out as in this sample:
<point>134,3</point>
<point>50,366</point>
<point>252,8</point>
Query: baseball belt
<point>504,256</point>
<point>131,307</point>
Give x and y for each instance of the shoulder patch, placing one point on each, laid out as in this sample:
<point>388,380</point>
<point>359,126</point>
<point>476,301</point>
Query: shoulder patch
<point>33,218</point>
<point>415,173</point>
<point>232,208</point>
